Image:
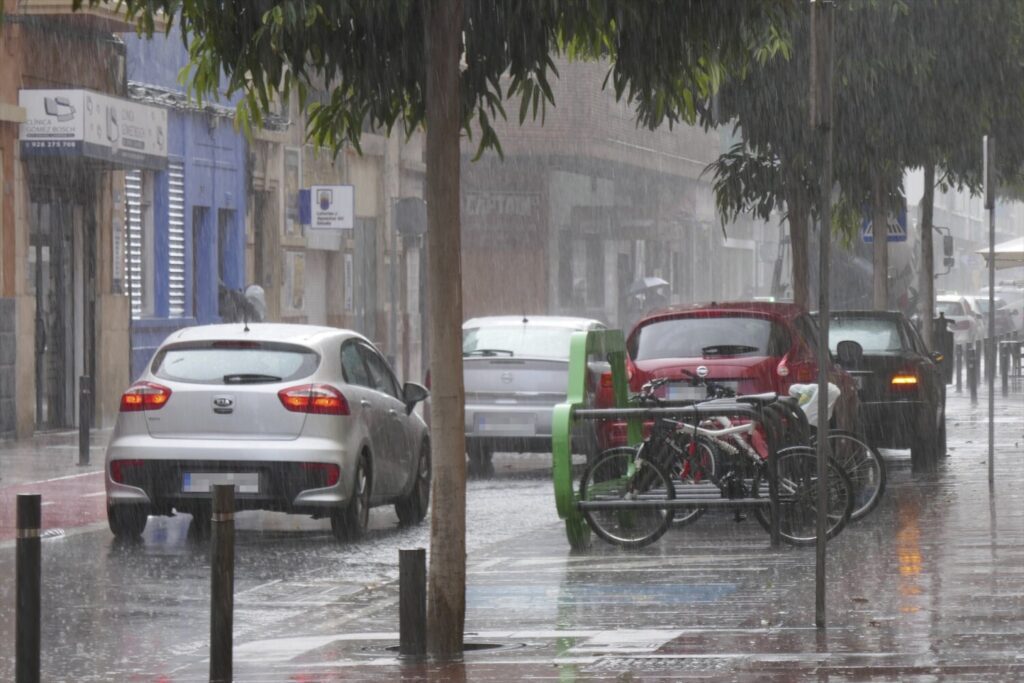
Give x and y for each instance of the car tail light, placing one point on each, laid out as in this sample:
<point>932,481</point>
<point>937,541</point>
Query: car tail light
<point>606,378</point>
<point>330,471</point>
<point>904,381</point>
<point>316,399</point>
<point>119,468</point>
<point>144,396</point>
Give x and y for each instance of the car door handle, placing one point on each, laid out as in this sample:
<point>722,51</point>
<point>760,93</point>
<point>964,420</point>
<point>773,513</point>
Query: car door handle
<point>393,413</point>
<point>364,403</point>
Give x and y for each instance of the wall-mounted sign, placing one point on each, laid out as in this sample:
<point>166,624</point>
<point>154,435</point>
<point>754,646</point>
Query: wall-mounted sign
<point>88,124</point>
<point>332,207</point>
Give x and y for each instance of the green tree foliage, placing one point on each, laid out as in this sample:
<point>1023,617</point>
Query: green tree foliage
<point>916,84</point>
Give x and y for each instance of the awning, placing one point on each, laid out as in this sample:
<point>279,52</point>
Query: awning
<point>1009,254</point>
<point>81,123</point>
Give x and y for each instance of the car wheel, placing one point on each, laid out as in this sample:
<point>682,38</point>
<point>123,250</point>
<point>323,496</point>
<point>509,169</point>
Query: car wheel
<point>349,524</point>
<point>127,522</point>
<point>481,462</point>
<point>413,508</point>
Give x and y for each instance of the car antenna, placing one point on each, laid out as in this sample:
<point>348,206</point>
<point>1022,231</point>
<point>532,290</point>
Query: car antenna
<point>525,319</point>
<point>245,316</point>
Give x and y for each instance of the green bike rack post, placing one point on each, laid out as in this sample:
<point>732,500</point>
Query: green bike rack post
<point>602,346</point>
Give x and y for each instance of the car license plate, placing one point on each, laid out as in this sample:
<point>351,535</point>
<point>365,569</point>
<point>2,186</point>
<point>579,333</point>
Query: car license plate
<point>509,425</point>
<point>200,482</point>
<point>685,392</point>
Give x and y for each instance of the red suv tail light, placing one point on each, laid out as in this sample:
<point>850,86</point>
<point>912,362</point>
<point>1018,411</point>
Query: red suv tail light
<point>331,473</point>
<point>119,468</point>
<point>144,396</point>
<point>904,381</point>
<point>316,399</point>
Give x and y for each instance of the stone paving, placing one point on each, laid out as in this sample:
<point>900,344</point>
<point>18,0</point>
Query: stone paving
<point>929,587</point>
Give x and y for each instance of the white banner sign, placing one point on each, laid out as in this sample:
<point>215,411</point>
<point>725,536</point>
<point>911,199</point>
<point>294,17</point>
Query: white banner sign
<point>84,123</point>
<point>333,207</point>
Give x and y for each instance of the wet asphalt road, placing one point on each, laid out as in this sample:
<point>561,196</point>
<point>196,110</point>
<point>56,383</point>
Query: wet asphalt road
<point>930,587</point>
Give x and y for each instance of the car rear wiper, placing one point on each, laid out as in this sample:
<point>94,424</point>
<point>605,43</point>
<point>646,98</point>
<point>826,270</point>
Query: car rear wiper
<point>249,378</point>
<point>488,352</point>
<point>727,350</point>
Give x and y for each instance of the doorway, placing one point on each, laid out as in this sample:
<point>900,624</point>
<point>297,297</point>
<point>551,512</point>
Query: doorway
<point>62,273</point>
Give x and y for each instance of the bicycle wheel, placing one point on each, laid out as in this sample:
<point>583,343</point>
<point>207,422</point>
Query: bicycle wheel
<point>798,496</point>
<point>865,467</point>
<point>693,464</point>
<point>619,474</point>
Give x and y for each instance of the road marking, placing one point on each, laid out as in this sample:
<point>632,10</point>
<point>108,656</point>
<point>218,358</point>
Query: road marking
<point>48,502</point>
<point>93,495</point>
<point>47,481</point>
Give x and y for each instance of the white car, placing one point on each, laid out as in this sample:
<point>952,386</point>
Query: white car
<point>966,326</point>
<point>300,419</point>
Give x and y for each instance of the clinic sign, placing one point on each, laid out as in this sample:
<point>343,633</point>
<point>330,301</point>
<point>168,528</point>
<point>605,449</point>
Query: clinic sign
<point>332,207</point>
<point>82,123</point>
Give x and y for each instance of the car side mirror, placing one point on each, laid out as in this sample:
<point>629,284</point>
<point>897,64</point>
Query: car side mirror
<point>412,394</point>
<point>850,353</point>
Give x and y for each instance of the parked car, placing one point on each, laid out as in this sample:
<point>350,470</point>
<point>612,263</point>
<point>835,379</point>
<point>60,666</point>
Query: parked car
<point>516,368</point>
<point>1006,317</point>
<point>966,326</point>
<point>301,419</point>
<point>900,383</point>
<point>751,347</point>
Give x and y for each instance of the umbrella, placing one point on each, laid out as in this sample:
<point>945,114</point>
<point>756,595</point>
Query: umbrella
<point>646,283</point>
<point>1009,254</point>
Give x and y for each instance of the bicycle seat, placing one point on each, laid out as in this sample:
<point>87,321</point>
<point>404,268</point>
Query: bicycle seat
<point>759,399</point>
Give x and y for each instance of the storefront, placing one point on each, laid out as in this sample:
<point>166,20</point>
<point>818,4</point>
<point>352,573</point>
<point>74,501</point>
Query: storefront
<point>75,145</point>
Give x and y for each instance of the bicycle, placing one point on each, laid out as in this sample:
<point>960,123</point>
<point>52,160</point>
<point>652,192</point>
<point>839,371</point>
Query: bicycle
<point>641,474</point>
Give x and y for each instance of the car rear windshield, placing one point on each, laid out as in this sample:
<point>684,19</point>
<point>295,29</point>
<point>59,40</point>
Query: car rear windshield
<point>873,334</point>
<point>529,341</point>
<point>949,307</point>
<point>702,337</point>
<point>231,362</point>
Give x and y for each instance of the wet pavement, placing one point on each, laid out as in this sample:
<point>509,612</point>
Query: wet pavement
<point>929,587</point>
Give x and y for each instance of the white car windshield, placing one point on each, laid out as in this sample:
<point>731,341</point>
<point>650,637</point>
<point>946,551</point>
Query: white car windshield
<point>227,362</point>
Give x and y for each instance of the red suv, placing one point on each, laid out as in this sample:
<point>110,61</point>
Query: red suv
<point>753,347</point>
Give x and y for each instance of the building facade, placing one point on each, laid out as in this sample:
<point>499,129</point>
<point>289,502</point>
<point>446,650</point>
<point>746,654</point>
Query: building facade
<point>68,134</point>
<point>185,225</point>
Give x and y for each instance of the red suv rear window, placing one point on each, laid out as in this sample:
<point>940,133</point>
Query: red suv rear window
<point>698,337</point>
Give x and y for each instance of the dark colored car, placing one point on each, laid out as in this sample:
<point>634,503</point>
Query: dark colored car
<point>752,347</point>
<point>900,383</point>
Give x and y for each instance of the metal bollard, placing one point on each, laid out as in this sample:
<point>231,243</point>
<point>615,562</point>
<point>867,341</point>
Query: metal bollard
<point>222,582</point>
<point>1004,367</point>
<point>959,367</point>
<point>84,418</point>
<point>27,582</point>
<point>412,602</point>
<point>972,373</point>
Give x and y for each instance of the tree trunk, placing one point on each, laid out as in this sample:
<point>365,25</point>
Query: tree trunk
<point>880,235</point>
<point>926,274</point>
<point>446,610</point>
<point>798,242</point>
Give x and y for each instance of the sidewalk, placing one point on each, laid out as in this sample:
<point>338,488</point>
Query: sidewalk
<point>930,587</point>
<point>49,455</point>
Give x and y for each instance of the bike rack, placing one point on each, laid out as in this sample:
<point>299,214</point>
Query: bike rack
<point>783,424</point>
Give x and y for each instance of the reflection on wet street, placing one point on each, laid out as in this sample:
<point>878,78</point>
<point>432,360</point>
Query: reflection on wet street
<point>928,587</point>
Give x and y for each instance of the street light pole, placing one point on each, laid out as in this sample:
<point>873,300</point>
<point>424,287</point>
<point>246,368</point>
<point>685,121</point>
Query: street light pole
<point>821,121</point>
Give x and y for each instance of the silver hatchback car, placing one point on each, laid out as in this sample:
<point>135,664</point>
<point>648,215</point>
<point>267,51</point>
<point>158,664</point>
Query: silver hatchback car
<point>301,419</point>
<point>516,368</point>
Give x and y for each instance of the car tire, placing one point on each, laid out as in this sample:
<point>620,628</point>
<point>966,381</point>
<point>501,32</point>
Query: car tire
<point>413,508</point>
<point>349,523</point>
<point>481,462</point>
<point>126,522</point>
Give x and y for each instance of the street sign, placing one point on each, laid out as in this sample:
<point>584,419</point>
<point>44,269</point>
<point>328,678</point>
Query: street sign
<point>897,228</point>
<point>332,207</point>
